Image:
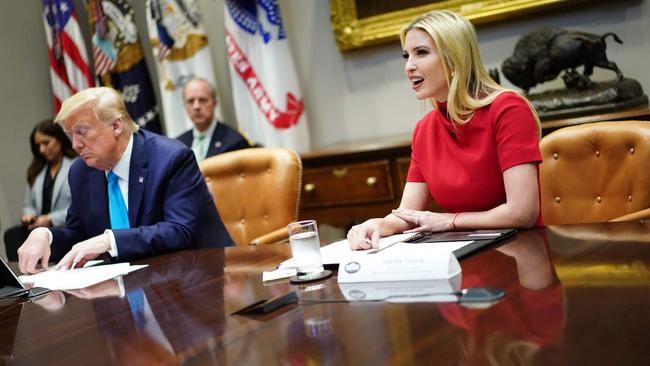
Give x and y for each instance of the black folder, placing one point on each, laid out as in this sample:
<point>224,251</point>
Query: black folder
<point>480,238</point>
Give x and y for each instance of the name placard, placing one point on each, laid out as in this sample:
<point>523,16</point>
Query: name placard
<point>401,262</point>
<point>404,291</point>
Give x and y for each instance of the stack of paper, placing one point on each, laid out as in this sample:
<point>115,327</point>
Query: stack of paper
<point>71,279</point>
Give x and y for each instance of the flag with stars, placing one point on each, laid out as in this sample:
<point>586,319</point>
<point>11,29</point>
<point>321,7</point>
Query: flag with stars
<point>264,82</point>
<point>119,59</point>
<point>69,70</point>
<point>180,46</point>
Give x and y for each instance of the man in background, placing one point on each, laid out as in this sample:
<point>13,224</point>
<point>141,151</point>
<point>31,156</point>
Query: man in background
<point>135,194</point>
<point>209,136</point>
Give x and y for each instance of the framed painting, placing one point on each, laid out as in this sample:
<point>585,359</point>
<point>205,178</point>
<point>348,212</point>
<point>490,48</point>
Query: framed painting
<point>360,23</point>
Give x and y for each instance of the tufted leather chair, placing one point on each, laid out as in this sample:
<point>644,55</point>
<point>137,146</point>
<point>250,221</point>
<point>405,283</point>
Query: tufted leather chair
<point>596,172</point>
<point>256,191</point>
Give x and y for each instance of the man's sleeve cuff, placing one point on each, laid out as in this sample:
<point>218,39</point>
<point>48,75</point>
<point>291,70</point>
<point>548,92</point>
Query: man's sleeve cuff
<point>111,238</point>
<point>49,234</point>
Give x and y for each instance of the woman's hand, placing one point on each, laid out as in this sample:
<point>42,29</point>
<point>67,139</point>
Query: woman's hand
<point>425,220</point>
<point>28,219</point>
<point>365,235</point>
<point>43,220</point>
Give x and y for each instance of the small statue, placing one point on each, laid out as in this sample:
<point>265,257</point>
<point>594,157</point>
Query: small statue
<point>542,54</point>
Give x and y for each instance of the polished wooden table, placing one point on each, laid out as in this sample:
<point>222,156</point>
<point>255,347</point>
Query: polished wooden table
<point>576,295</point>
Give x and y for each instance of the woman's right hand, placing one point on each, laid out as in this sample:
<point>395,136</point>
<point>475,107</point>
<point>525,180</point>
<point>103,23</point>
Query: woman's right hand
<point>40,221</point>
<point>28,219</point>
<point>365,235</point>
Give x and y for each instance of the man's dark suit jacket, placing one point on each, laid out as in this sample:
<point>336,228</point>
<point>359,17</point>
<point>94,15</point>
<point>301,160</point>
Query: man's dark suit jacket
<point>170,207</point>
<point>224,139</point>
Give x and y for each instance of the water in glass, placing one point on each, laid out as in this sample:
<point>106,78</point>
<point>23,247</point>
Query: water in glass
<point>305,248</point>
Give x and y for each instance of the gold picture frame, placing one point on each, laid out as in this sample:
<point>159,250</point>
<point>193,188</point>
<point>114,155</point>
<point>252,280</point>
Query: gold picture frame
<point>351,32</point>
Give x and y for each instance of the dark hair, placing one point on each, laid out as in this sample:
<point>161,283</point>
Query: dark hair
<point>49,128</point>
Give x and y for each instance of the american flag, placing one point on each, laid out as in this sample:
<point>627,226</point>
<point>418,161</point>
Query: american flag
<point>103,50</point>
<point>69,69</point>
<point>165,42</point>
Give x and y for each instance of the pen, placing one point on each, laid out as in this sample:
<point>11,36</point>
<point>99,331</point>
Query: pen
<point>74,264</point>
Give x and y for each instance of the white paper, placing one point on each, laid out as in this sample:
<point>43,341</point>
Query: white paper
<point>402,262</point>
<point>278,274</point>
<point>333,253</point>
<point>404,291</point>
<point>71,279</point>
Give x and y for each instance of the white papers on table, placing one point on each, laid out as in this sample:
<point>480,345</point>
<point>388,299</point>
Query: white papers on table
<point>340,251</point>
<point>330,254</point>
<point>278,274</point>
<point>71,279</point>
<point>335,252</point>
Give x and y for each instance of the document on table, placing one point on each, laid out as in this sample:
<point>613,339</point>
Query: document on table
<point>335,252</point>
<point>71,279</point>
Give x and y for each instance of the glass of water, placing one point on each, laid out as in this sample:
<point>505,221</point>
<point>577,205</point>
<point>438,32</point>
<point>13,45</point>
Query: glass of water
<point>305,248</point>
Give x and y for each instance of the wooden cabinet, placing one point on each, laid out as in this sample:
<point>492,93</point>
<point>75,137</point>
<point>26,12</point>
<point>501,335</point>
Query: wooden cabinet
<point>344,184</point>
<point>347,184</point>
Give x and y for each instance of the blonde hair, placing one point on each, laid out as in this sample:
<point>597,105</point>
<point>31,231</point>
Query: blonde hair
<point>108,105</point>
<point>470,85</point>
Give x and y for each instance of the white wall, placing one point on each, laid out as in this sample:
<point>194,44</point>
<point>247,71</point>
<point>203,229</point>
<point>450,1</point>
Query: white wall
<point>348,96</point>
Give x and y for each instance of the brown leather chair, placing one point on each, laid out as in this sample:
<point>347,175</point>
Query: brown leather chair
<point>596,172</point>
<point>256,191</point>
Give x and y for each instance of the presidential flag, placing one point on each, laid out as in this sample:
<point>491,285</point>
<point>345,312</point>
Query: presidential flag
<point>119,60</point>
<point>180,46</point>
<point>265,86</point>
<point>69,70</point>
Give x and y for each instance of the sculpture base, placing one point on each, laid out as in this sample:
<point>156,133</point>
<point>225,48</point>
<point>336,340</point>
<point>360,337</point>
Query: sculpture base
<point>600,98</point>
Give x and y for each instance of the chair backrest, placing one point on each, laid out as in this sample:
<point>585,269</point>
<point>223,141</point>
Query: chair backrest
<point>255,190</point>
<point>595,172</point>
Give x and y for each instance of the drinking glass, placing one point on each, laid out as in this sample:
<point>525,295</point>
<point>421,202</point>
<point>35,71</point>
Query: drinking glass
<point>305,248</point>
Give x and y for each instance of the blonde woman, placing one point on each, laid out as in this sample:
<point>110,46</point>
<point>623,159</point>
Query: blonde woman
<point>476,153</point>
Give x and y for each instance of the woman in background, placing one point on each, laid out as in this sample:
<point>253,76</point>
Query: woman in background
<point>476,153</point>
<point>47,196</point>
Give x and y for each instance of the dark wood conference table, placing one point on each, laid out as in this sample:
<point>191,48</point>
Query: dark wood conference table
<point>577,294</point>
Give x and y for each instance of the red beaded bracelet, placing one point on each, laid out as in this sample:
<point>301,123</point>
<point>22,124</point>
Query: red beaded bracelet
<point>453,221</point>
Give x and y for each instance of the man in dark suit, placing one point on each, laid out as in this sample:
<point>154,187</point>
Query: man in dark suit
<point>209,136</point>
<point>156,199</point>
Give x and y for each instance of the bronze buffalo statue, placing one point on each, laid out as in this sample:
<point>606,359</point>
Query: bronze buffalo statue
<point>541,54</point>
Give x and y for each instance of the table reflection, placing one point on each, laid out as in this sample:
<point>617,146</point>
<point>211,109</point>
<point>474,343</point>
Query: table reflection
<point>159,316</point>
<point>530,317</point>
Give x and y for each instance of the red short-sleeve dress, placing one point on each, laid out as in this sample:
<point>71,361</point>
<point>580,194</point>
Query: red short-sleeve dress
<point>463,165</point>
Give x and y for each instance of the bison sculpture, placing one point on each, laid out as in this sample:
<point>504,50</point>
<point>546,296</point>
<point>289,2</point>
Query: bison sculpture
<point>541,54</point>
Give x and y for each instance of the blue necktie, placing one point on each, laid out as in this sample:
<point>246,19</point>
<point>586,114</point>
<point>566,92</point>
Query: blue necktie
<point>116,207</point>
<point>136,303</point>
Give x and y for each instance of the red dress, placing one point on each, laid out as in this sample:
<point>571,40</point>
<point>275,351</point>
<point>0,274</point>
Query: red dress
<point>463,165</point>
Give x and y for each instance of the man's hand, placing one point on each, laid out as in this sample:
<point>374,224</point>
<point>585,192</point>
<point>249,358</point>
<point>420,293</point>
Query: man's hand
<point>52,301</point>
<point>43,220</point>
<point>85,251</point>
<point>103,289</point>
<point>35,248</point>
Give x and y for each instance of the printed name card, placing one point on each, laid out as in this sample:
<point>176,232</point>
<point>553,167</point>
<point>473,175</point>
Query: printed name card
<point>401,262</point>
